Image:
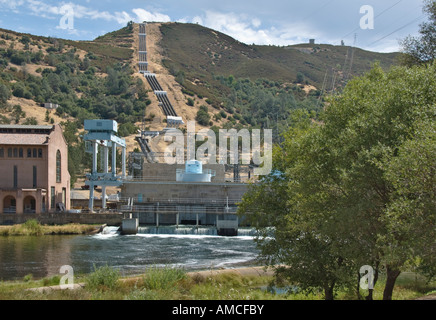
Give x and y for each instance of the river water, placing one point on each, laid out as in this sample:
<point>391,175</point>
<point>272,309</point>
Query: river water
<point>131,254</point>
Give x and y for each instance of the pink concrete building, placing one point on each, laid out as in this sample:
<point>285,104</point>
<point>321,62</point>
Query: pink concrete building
<point>34,176</point>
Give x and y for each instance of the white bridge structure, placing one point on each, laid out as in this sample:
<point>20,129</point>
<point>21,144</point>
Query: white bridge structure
<point>102,134</point>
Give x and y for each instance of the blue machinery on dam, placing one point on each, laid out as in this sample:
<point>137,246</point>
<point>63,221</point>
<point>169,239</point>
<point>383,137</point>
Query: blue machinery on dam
<point>102,133</point>
<point>179,196</point>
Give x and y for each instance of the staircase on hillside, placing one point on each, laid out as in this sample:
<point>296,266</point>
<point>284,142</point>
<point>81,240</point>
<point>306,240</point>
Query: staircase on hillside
<point>173,120</point>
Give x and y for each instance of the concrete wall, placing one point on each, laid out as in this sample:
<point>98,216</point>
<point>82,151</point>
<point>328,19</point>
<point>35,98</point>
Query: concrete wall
<point>143,192</point>
<point>167,172</point>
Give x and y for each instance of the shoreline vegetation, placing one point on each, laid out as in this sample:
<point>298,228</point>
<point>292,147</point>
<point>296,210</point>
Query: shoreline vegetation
<point>34,228</point>
<point>168,283</point>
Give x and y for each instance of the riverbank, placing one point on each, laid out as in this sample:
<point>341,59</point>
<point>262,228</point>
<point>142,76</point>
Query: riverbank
<point>248,283</point>
<point>34,228</point>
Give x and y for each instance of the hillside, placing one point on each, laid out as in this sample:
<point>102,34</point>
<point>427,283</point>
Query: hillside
<point>209,77</point>
<point>201,53</point>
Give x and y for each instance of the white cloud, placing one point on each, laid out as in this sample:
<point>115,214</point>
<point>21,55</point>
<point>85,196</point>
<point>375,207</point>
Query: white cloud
<point>256,23</point>
<point>144,15</point>
<point>44,10</point>
<point>197,19</point>
<point>11,4</point>
<point>247,29</point>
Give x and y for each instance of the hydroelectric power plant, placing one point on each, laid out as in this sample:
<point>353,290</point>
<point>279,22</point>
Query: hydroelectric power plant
<point>157,197</point>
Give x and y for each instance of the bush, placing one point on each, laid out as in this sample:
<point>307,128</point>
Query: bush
<point>33,227</point>
<point>162,278</point>
<point>102,278</point>
<point>31,121</point>
<point>19,90</point>
<point>18,59</point>
<point>203,116</point>
<point>5,93</point>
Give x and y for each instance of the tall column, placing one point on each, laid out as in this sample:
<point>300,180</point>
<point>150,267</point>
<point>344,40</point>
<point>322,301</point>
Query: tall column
<point>114,159</point>
<point>124,162</point>
<point>94,156</point>
<point>91,197</point>
<point>38,202</point>
<point>105,170</point>
<point>19,200</point>
<point>94,170</point>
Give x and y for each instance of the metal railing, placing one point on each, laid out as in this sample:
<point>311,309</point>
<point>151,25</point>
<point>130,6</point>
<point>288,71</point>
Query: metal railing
<point>175,209</point>
<point>162,201</point>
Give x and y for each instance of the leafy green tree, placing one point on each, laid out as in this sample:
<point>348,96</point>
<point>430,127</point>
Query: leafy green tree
<point>411,212</point>
<point>289,233</point>
<point>422,49</point>
<point>356,189</point>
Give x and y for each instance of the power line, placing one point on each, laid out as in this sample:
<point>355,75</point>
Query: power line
<point>402,18</point>
<point>388,9</point>
<point>381,13</point>
<point>404,26</point>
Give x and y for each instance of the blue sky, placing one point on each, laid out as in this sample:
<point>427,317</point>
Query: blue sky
<point>250,21</point>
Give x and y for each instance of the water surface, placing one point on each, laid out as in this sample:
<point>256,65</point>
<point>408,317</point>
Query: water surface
<point>132,254</point>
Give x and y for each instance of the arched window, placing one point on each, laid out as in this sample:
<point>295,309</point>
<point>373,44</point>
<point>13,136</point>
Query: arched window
<point>58,166</point>
<point>9,205</point>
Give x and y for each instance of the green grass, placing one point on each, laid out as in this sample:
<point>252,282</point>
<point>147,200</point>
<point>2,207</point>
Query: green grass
<point>175,284</point>
<point>102,279</point>
<point>33,228</point>
<point>162,278</point>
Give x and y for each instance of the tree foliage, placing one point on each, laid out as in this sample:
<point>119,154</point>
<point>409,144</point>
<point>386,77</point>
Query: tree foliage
<point>357,189</point>
<point>422,49</point>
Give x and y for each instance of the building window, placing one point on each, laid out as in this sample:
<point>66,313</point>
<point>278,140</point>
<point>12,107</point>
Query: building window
<point>39,153</point>
<point>64,196</point>
<point>35,153</point>
<point>53,198</point>
<point>58,166</point>
<point>9,152</point>
<point>20,152</point>
<point>15,152</point>
<point>15,177</point>
<point>35,174</point>
<point>29,153</point>
<point>2,153</point>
